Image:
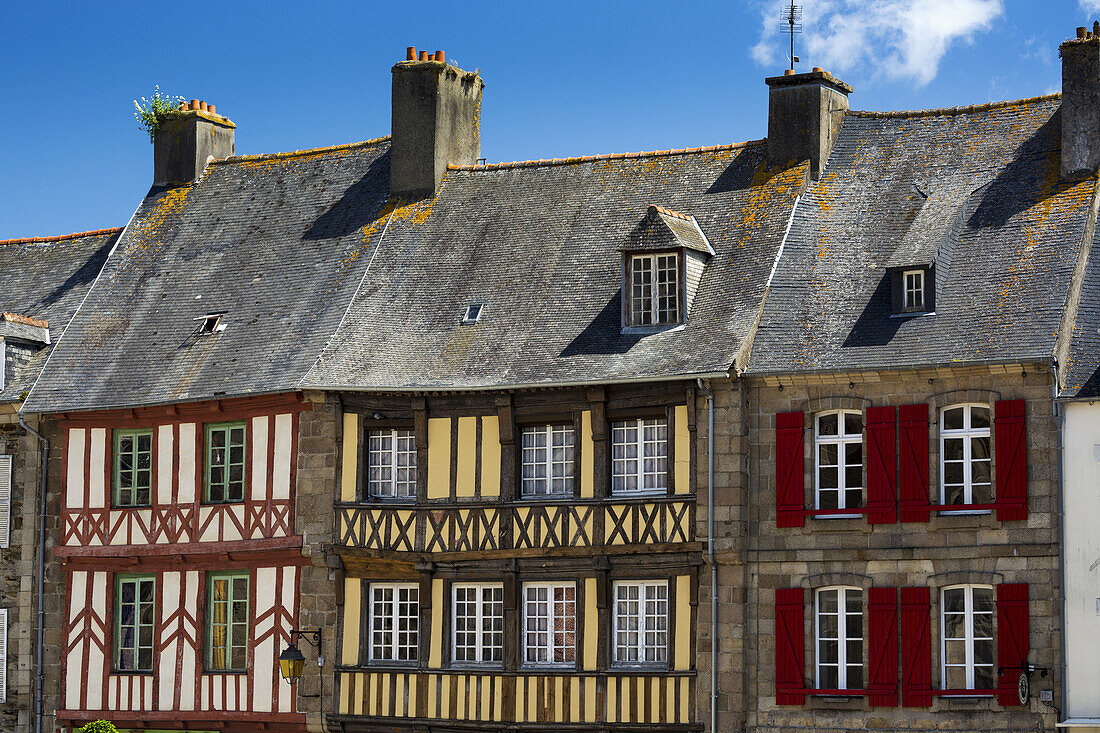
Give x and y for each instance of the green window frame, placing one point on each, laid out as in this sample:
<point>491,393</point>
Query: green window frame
<point>133,464</point>
<point>135,622</point>
<point>225,455</point>
<point>227,622</point>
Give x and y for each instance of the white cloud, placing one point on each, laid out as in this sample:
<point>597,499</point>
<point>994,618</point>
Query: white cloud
<point>897,39</point>
<point>1089,6</point>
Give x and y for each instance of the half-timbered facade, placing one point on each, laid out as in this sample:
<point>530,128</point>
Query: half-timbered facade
<point>529,573</point>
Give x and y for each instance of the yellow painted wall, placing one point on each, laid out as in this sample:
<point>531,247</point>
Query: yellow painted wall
<point>350,457</point>
<point>352,596</point>
<point>490,456</point>
<point>683,450</point>
<point>466,485</point>
<point>435,651</point>
<point>683,623</point>
<point>591,628</point>
<point>588,475</point>
<point>439,457</point>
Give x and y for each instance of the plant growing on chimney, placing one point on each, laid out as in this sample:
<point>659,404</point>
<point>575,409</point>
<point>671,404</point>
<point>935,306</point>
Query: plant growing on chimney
<point>151,112</point>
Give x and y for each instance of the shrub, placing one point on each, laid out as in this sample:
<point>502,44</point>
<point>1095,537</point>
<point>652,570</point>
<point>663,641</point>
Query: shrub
<point>151,112</point>
<point>99,726</point>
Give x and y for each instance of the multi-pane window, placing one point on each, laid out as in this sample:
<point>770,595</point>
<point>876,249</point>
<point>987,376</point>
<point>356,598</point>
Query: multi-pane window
<point>478,624</point>
<point>547,452</point>
<point>839,634</point>
<point>968,638</point>
<point>134,623</point>
<point>839,459</point>
<point>391,464</point>
<point>227,622</point>
<point>914,290</point>
<point>639,456</point>
<point>964,455</point>
<point>550,623</point>
<point>641,622</point>
<point>133,467</point>
<point>654,290</point>
<point>225,462</point>
<point>394,622</point>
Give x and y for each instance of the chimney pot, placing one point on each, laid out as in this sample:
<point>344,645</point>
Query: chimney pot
<point>440,56</point>
<point>1096,28</point>
<point>1081,31</point>
<point>202,105</point>
<point>410,53</point>
<point>194,104</point>
<point>788,72</point>
<point>423,55</point>
<point>212,109</point>
<point>818,69</point>
<point>431,57</point>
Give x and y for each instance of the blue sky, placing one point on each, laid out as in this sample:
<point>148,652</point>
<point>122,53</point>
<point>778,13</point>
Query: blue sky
<point>562,78</point>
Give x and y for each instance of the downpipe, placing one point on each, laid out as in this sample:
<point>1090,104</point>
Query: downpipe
<point>41,572</point>
<point>710,559</point>
<point>1059,450</point>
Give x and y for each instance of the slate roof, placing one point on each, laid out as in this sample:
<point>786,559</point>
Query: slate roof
<point>662,229</point>
<point>1080,375</point>
<point>46,278</point>
<point>977,190</point>
<point>282,243</point>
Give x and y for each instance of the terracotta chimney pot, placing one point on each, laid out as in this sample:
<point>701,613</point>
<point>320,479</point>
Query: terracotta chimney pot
<point>202,105</point>
<point>194,104</point>
<point>410,53</point>
<point>423,55</point>
<point>211,109</point>
<point>788,72</point>
<point>1081,31</point>
<point>440,56</point>
<point>818,69</point>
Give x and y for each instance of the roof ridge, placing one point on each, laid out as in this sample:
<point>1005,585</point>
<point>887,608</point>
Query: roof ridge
<point>27,320</point>
<point>606,156</point>
<point>966,109</point>
<point>296,153</point>
<point>670,212</point>
<point>61,237</point>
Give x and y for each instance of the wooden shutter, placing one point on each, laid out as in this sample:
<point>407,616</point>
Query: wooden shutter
<point>914,463</point>
<point>916,648</point>
<point>883,625</point>
<point>1011,456</point>
<point>5,500</point>
<point>790,472</point>
<point>3,655</point>
<point>789,646</point>
<point>882,500</point>
<point>1012,638</point>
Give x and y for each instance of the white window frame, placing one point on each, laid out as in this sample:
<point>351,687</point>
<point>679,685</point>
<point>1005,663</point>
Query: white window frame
<point>968,637</point>
<point>842,637</point>
<point>966,433</point>
<point>550,646</point>
<point>644,309</point>
<point>918,292</point>
<point>393,633</point>
<point>530,486</point>
<point>392,489</point>
<point>620,467</point>
<point>650,616</point>
<point>481,630</point>
<point>841,440</point>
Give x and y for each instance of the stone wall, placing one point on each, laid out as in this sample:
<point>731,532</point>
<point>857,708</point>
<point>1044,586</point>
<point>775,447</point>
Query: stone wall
<point>947,550</point>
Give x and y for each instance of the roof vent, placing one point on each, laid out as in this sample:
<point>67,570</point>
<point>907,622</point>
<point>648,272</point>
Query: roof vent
<point>473,313</point>
<point>210,323</point>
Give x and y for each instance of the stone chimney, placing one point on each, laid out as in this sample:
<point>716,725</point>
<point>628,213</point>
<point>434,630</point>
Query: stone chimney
<point>184,144</point>
<point>436,121</point>
<point>805,113</point>
<point>1081,103</point>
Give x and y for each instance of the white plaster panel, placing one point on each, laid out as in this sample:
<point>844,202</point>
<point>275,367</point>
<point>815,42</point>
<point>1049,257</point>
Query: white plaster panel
<point>74,480</point>
<point>284,426</point>
<point>164,464</point>
<point>231,531</point>
<point>190,600</point>
<point>290,585</point>
<point>1082,550</point>
<point>210,534</point>
<point>263,673</point>
<point>93,675</point>
<point>259,457</point>
<point>188,471</point>
<point>170,599</point>
<point>97,498</point>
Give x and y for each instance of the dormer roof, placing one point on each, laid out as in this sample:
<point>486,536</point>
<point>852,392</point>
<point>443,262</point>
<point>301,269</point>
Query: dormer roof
<point>663,229</point>
<point>13,325</point>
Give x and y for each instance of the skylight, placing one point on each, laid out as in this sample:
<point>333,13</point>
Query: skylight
<point>210,323</point>
<point>473,313</point>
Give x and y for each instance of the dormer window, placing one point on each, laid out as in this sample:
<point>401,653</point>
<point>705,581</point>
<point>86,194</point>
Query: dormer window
<point>655,289</point>
<point>210,323</point>
<point>663,261</point>
<point>914,290</point>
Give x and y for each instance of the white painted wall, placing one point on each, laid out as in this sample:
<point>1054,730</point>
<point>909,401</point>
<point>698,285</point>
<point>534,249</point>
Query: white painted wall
<point>1081,461</point>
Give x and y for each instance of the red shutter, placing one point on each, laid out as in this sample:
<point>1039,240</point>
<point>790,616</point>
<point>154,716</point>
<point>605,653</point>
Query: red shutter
<point>789,647</point>
<point>914,463</point>
<point>1012,641</point>
<point>789,471</point>
<point>882,500</point>
<point>1011,449</point>
<point>883,624</point>
<point>916,648</point>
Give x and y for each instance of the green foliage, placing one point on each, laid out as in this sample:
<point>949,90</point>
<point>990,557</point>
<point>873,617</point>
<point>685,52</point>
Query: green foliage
<point>99,726</point>
<point>151,112</point>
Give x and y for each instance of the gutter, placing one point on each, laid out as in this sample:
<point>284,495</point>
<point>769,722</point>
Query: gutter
<point>856,369</point>
<point>40,667</point>
<point>710,559</point>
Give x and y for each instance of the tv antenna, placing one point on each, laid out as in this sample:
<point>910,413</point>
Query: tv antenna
<point>791,25</point>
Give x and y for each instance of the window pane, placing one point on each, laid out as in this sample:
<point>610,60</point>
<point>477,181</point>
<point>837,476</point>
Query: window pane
<point>828,424</point>
<point>979,417</point>
<point>953,419</point>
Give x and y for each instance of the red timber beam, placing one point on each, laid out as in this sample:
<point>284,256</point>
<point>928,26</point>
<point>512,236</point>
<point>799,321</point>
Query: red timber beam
<point>187,555</point>
<point>236,408</point>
